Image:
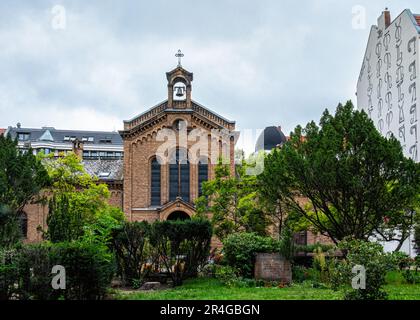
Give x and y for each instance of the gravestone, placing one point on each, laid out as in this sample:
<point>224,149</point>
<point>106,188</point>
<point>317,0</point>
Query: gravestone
<point>272,267</point>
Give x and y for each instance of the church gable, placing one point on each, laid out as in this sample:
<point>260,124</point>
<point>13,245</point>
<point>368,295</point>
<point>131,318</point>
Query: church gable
<point>170,150</point>
<point>179,102</point>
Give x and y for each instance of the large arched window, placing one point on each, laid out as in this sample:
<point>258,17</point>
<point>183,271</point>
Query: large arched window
<point>203,174</point>
<point>179,176</point>
<point>155,183</point>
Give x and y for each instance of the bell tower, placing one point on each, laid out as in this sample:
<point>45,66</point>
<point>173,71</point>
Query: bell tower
<point>179,86</point>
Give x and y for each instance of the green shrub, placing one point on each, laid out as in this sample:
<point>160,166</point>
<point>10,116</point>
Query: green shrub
<point>370,255</point>
<point>8,273</point>
<point>35,264</point>
<point>397,260</point>
<point>240,249</point>
<point>130,242</point>
<point>299,274</point>
<point>182,246</point>
<point>411,276</point>
<point>89,269</point>
<point>227,275</point>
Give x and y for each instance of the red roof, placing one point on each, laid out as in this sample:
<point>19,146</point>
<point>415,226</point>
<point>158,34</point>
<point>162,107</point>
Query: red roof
<point>2,131</point>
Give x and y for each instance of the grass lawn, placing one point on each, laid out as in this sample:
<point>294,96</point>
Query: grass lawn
<point>212,289</point>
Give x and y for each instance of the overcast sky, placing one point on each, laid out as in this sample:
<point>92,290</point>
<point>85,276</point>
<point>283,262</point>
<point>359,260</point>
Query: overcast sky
<point>259,63</point>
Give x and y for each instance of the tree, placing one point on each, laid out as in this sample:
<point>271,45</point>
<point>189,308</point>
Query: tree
<point>78,203</point>
<point>232,201</point>
<point>22,176</point>
<point>345,178</point>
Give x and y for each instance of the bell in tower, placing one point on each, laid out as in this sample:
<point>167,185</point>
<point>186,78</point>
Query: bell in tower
<point>179,86</point>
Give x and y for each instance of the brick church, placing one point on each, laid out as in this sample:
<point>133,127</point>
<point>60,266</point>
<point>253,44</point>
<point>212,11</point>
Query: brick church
<point>169,150</point>
<point>154,167</point>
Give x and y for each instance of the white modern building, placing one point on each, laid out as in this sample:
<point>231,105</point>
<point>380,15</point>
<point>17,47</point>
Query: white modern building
<point>388,86</point>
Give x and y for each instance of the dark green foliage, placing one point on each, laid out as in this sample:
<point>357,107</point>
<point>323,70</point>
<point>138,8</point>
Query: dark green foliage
<point>25,272</point>
<point>10,232</point>
<point>178,248</point>
<point>182,246</point>
<point>130,242</point>
<point>22,177</point>
<point>358,183</point>
<point>9,272</point>
<point>59,220</point>
<point>89,269</point>
<point>411,276</point>
<point>34,265</point>
<point>240,249</point>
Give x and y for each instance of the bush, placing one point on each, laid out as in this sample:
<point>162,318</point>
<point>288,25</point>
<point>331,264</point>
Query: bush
<point>411,276</point>
<point>182,246</point>
<point>34,265</point>
<point>370,255</point>
<point>27,269</point>
<point>240,249</point>
<point>397,260</point>
<point>227,275</point>
<point>132,249</point>
<point>299,274</point>
<point>8,273</point>
<point>89,269</point>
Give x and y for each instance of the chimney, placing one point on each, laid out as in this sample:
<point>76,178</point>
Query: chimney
<point>384,20</point>
<point>78,148</point>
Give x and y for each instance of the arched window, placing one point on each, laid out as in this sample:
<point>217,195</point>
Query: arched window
<point>203,174</point>
<point>155,183</point>
<point>179,176</point>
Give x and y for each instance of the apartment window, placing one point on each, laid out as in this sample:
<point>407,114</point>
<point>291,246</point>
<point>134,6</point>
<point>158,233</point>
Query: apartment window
<point>23,136</point>
<point>105,140</point>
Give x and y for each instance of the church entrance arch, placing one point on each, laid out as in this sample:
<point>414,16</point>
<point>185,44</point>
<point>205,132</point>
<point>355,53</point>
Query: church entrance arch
<point>178,215</point>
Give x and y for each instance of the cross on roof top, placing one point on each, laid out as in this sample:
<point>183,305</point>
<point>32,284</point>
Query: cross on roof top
<point>179,55</point>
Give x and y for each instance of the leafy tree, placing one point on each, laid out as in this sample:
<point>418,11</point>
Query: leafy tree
<point>344,178</point>
<point>22,176</point>
<point>78,204</point>
<point>232,201</point>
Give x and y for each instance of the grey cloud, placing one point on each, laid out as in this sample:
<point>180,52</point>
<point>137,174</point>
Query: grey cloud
<point>259,63</point>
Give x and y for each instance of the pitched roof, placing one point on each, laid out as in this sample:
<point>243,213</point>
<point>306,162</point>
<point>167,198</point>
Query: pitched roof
<point>105,169</point>
<point>58,135</point>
